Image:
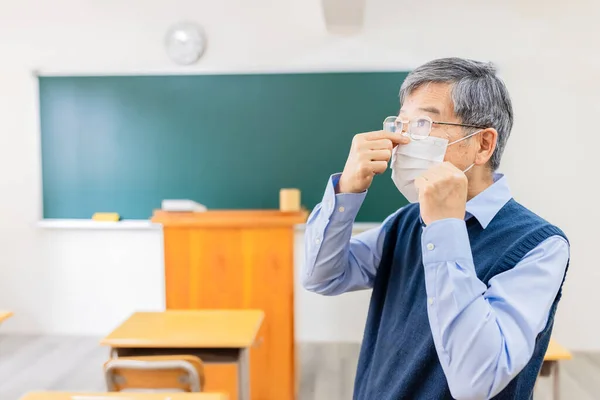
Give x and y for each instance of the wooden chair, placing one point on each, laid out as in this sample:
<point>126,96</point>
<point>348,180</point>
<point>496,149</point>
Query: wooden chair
<point>155,373</point>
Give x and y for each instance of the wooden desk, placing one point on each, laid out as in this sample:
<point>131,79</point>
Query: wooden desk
<point>554,354</point>
<point>123,396</point>
<point>216,336</point>
<point>4,315</point>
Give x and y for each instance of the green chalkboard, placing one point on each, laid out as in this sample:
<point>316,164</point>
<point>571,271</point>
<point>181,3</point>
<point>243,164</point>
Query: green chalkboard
<point>124,143</point>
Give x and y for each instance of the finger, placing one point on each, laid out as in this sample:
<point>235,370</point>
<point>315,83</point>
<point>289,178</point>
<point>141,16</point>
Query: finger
<point>379,155</point>
<point>429,175</point>
<point>375,135</point>
<point>420,182</point>
<point>436,172</point>
<point>402,139</point>
<point>451,170</point>
<point>439,171</point>
<point>394,137</point>
<point>379,167</point>
<point>379,144</point>
<point>448,166</point>
<point>422,185</point>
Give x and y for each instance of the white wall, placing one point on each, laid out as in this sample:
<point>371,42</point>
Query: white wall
<point>547,52</point>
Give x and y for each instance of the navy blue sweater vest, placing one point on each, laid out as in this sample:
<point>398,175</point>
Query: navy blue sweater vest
<point>398,358</point>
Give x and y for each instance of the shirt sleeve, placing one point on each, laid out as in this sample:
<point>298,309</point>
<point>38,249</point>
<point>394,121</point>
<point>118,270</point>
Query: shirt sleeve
<point>335,261</point>
<point>485,335</point>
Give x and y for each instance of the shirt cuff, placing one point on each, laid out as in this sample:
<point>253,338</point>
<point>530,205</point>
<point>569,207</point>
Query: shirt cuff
<point>341,207</point>
<point>446,240</point>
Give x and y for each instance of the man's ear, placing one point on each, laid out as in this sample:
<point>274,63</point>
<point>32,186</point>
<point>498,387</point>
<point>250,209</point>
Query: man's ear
<point>487,144</point>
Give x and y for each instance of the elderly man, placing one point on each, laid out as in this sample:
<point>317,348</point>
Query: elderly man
<point>465,280</point>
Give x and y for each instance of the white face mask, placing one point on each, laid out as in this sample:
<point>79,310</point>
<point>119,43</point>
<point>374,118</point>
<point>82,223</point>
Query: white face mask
<point>409,161</point>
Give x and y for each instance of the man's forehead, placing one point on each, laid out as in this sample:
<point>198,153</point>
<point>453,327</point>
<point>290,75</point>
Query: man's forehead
<point>431,98</point>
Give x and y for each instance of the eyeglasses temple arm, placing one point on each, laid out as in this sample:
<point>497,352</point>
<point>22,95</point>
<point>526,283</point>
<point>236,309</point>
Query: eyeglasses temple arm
<point>456,124</point>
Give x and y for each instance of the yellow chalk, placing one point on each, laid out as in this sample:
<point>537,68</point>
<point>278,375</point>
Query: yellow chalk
<point>104,216</point>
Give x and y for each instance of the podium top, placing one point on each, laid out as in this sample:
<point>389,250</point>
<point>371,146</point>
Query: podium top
<point>230,218</point>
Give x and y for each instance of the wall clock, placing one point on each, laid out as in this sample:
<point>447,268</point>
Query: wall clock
<point>185,43</point>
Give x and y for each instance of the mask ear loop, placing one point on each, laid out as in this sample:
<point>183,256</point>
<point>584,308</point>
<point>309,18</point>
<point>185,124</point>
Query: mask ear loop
<point>469,167</point>
<point>466,137</point>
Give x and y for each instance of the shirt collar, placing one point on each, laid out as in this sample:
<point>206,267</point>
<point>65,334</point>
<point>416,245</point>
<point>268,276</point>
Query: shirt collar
<point>486,204</point>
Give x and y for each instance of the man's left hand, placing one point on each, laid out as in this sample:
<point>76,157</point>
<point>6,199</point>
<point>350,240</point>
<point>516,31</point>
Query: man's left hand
<point>442,193</point>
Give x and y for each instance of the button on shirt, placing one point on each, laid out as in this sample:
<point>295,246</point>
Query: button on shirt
<point>506,316</point>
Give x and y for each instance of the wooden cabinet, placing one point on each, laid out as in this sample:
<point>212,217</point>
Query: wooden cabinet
<point>238,259</point>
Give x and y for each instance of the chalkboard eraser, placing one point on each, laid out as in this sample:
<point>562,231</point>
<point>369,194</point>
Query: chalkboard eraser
<point>182,205</point>
<point>106,217</point>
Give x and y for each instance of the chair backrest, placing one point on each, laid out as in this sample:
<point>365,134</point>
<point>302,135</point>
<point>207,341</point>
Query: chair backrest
<point>151,373</point>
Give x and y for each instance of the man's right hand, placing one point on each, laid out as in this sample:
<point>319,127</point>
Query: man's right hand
<point>369,156</point>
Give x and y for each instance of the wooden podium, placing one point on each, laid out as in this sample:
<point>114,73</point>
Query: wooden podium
<point>238,259</point>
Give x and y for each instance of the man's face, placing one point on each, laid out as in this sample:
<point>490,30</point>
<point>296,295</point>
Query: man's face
<point>434,100</point>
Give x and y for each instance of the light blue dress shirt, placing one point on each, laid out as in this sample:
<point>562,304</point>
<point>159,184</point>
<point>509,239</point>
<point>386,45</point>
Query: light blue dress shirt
<point>483,335</point>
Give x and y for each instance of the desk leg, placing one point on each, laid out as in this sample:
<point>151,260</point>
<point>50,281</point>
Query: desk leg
<point>555,381</point>
<point>244,374</point>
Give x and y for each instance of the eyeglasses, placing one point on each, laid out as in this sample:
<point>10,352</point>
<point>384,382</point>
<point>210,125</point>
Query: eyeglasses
<point>418,128</point>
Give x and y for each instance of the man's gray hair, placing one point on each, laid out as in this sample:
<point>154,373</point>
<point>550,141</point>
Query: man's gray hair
<point>479,96</point>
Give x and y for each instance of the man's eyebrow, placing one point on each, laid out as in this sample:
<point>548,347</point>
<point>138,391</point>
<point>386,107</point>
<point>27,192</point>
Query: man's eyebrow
<point>431,110</point>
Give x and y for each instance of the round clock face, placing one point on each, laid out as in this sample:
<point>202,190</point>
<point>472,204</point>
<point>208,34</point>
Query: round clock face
<point>185,42</point>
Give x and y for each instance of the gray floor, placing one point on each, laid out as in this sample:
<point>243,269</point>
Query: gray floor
<point>327,370</point>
